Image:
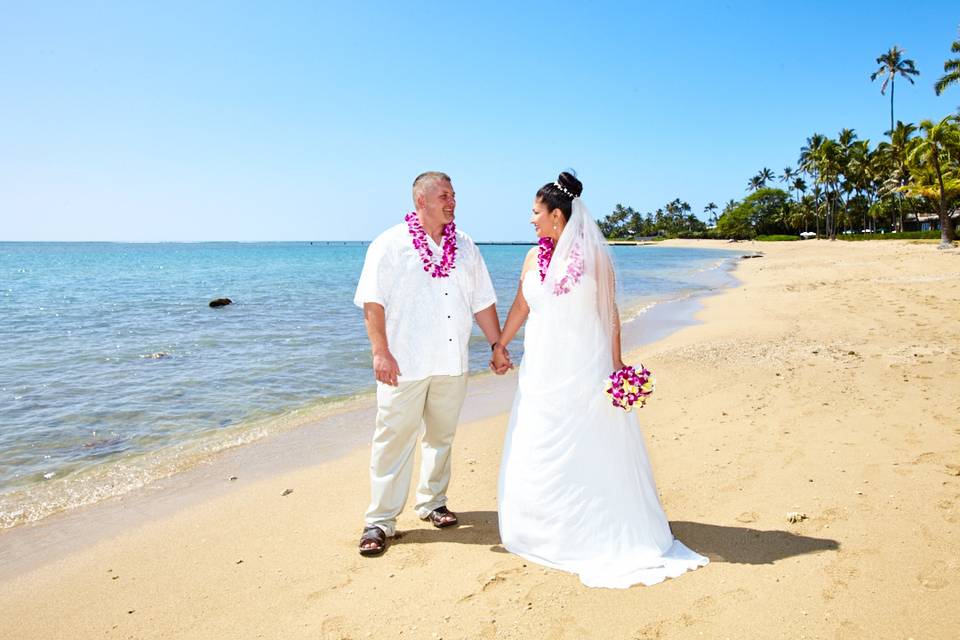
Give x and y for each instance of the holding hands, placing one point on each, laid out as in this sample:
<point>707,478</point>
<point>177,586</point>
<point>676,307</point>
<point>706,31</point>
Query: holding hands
<point>500,361</point>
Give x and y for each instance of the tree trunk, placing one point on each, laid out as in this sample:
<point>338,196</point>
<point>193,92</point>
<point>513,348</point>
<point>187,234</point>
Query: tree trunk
<point>947,234</point>
<point>946,224</point>
<point>892,82</point>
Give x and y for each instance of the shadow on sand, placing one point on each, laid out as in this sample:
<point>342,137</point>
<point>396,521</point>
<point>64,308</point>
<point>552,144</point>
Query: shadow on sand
<point>742,545</point>
<point>739,545</point>
<point>476,527</point>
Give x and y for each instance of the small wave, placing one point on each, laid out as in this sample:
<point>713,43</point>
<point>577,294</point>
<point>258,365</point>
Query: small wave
<point>121,475</point>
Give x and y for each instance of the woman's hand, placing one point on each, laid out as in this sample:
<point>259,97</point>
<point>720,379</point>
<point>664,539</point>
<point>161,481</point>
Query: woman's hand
<point>500,360</point>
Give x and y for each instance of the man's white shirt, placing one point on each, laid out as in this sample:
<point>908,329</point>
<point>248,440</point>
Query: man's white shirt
<point>429,319</point>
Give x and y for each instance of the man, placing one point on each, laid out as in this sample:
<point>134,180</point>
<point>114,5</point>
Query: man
<point>422,280</point>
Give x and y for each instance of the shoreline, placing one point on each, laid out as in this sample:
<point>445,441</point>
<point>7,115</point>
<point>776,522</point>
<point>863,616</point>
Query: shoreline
<point>314,435</point>
<point>814,387</point>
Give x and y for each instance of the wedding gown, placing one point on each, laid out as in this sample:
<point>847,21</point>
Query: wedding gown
<point>576,491</point>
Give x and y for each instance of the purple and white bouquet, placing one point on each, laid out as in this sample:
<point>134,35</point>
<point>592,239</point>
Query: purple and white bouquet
<point>628,387</point>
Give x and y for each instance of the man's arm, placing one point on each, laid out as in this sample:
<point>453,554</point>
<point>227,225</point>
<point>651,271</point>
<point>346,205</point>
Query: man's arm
<point>385,367</point>
<point>489,323</point>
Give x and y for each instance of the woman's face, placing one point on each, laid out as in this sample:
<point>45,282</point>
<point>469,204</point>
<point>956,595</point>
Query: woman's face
<point>544,221</point>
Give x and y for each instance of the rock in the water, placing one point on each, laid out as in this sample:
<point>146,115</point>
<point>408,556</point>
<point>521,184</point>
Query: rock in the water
<point>220,302</point>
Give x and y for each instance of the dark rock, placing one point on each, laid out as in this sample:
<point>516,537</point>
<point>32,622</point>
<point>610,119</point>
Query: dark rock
<point>220,302</point>
<point>286,492</point>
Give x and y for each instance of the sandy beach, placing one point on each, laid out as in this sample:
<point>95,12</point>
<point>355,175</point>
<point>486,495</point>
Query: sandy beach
<point>825,385</point>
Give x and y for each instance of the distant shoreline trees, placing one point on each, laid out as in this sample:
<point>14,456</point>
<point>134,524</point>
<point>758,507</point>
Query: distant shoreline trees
<point>841,184</point>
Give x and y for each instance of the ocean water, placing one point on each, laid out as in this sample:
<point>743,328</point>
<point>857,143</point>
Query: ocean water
<point>115,372</point>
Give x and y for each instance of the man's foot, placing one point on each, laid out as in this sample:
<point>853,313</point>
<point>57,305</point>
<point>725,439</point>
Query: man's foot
<point>441,517</point>
<point>373,542</point>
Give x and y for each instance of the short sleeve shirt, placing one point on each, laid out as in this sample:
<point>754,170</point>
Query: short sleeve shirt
<point>428,319</point>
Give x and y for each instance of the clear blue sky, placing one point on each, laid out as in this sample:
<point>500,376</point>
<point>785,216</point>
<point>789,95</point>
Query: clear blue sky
<point>307,121</point>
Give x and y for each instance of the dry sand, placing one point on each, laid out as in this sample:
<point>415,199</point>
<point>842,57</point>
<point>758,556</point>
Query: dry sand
<point>825,384</point>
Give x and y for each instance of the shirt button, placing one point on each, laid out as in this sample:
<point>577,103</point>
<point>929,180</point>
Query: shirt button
<point>448,317</point>
<point>450,340</point>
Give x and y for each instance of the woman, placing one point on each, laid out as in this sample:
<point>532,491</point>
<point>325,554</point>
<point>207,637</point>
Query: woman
<point>576,490</point>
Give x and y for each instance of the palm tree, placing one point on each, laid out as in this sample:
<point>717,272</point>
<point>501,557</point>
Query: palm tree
<point>816,193</point>
<point>895,155</point>
<point>755,183</point>
<point>829,164</point>
<point>799,185</point>
<point>808,154</point>
<point>788,174</point>
<point>891,64</point>
<point>765,176</point>
<point>934,161</point>
<point>951,71</point>
<point>709,210</point>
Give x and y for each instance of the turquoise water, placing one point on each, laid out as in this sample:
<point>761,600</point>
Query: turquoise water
<point>116,372</point>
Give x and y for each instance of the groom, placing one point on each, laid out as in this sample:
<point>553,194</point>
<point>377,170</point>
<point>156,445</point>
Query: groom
<point>422,280</point>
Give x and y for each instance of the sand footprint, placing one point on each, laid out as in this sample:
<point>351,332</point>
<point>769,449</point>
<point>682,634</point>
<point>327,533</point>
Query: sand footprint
<point>936,575</point>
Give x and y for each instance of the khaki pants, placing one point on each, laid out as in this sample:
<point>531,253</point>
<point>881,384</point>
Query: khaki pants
<point>432,407</point>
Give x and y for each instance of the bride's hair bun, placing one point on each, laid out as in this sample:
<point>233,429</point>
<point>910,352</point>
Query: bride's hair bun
<point>560,194</point>
<point>568,180</point>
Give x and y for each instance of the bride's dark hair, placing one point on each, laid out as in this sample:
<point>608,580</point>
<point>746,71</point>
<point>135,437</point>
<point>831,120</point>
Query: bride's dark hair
<point>560,194</point>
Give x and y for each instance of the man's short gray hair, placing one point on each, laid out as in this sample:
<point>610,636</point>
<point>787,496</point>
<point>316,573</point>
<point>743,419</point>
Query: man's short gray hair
<point>426,179</point>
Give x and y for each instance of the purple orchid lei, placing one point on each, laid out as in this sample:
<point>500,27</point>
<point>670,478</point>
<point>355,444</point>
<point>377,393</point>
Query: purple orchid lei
<point>628,387</point>
<point>448,244</point>
<point>544,255</point>
<point>574,269</point>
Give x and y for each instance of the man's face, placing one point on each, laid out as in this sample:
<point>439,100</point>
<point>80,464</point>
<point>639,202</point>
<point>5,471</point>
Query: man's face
<point>438,202</point>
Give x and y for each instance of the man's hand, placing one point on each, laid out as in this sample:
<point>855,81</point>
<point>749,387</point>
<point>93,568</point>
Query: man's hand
<point>500,361</point>
<point>385,368</point>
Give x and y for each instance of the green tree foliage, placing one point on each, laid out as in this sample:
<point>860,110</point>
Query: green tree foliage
<point>951,71</point>
<point>766,211</point>
<point>934,163</point>
<point>674,219</point>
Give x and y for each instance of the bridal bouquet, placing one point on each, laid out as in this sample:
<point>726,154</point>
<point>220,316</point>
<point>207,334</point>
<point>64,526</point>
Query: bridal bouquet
<point>628,387</point>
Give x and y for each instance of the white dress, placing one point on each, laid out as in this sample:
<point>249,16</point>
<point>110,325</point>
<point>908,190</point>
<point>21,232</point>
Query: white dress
<point>576,491</point>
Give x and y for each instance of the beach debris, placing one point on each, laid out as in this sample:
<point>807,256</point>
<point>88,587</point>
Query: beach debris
<point>220,302</point>
<point>286,492</point>
<point>953,469</point>
<point>796,516</point>
<point>752,255</point>
<point>239,562</point>
<point>747,517</point>
<point>232,478</point>
<point>49,475</point>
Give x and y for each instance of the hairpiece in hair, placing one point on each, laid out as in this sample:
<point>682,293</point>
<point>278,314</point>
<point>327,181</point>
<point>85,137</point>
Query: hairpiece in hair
<point>564,190</point>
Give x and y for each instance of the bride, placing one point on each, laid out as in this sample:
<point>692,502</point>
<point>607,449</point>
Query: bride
<point>576,491</point>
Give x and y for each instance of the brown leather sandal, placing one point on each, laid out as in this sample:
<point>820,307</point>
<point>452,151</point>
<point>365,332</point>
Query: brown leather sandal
<point>441,517</point>
<point>374,535</point>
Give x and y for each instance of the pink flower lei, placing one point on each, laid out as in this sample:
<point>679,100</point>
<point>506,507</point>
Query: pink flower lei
<point>543,255</point>
<point>574,268</point>
<point>448,244</point>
